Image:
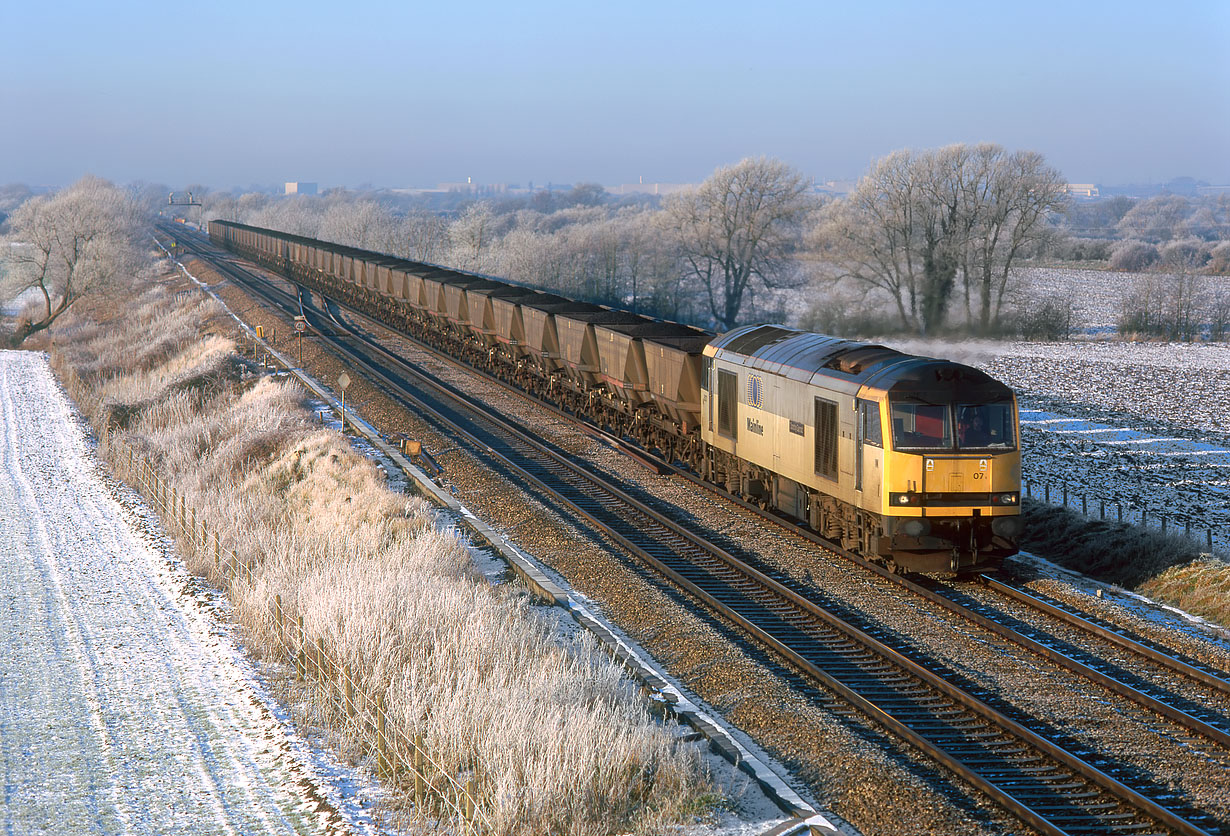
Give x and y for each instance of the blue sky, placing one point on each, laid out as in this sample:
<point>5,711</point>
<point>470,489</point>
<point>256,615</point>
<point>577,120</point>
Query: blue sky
<point>411,94</point>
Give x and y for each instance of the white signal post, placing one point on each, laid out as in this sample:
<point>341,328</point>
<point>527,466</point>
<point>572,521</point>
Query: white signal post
<point>343,380</point>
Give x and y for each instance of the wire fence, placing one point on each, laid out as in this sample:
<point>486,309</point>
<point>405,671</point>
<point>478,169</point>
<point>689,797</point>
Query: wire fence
<point>402,761</point>
<point>1202,535</point>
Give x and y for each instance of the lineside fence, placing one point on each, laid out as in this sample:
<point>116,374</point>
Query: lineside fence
<point>1202,536</point>
<point>405,763</point>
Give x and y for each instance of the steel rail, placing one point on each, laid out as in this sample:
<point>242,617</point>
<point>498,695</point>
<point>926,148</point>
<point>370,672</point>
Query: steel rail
<point>1201,674</point>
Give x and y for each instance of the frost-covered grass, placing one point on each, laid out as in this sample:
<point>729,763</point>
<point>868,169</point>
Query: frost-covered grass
<point>554,732</point>
<point>1201,587</point>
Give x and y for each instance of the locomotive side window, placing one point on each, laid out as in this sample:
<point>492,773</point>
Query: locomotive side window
<point>869,414</point>
<point>826,438</point>
<point>728,393</point>
<point>920,426</point>
<point>980,426</point>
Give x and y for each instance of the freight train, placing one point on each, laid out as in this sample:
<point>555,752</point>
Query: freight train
<point>909,461</point>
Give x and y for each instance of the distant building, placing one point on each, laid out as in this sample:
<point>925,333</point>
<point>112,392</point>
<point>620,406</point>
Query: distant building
<point>649,188</point>
<point>835,187</point>
<point>470,187</point>
<point>1202,190</point>
<point>1081,189</point>
<point>301,188</point>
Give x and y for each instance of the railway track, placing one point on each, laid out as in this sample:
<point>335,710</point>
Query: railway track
<point>1038,780</point>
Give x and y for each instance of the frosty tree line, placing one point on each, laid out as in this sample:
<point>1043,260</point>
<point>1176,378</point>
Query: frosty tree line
<point>925,243</point>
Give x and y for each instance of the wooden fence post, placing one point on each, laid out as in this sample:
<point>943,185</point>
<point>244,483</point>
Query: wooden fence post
<point>382,761</point>
<point>419,768</point>
<point>301,657</point>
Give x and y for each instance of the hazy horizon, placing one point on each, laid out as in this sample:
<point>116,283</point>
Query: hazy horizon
<point>403,96</point>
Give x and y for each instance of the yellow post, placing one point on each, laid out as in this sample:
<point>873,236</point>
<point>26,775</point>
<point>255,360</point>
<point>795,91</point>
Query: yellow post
<point>349,692</point>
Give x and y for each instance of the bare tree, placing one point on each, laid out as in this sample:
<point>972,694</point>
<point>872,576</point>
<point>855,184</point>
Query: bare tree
<point>870,236</point>
<point>1009,199</point>
<point>471,236</point>
<point>1184,289</point>
<point>220,206</point>
<point>365,224</point>
<point>917,222</point>
<point>738,227</point>
<point>67,245</point>
<point>1157,219</point>
<point>424,236</point>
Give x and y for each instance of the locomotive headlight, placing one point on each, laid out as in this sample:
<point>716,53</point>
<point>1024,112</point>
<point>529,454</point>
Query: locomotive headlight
<point>910,499</point>
<point>1009,498</point>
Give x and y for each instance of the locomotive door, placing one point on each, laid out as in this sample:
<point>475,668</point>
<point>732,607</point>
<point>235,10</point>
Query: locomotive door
<point>869,447</point>
<point>858,448</point>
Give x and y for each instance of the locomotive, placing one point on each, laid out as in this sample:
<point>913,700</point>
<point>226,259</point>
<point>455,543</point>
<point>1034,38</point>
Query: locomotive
<point>911,462</point>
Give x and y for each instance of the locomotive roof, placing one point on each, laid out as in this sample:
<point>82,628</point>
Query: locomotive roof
<point>803,356</point>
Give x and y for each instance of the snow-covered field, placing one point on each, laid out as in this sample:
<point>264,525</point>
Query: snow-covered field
<point>125,705</point>
<point>1096,295</point>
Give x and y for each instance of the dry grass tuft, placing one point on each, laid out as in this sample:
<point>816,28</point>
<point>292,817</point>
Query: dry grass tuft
<point>553,730</point>
<point>1201,587</point>
<point>1165,567</point>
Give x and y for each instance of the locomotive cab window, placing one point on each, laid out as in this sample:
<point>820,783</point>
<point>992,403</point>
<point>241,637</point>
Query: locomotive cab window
<point>985,426</point>
<point>869,414</point>
<point>921,426</point>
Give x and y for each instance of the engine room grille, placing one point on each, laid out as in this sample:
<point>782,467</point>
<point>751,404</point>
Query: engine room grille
<point>826,438</point>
